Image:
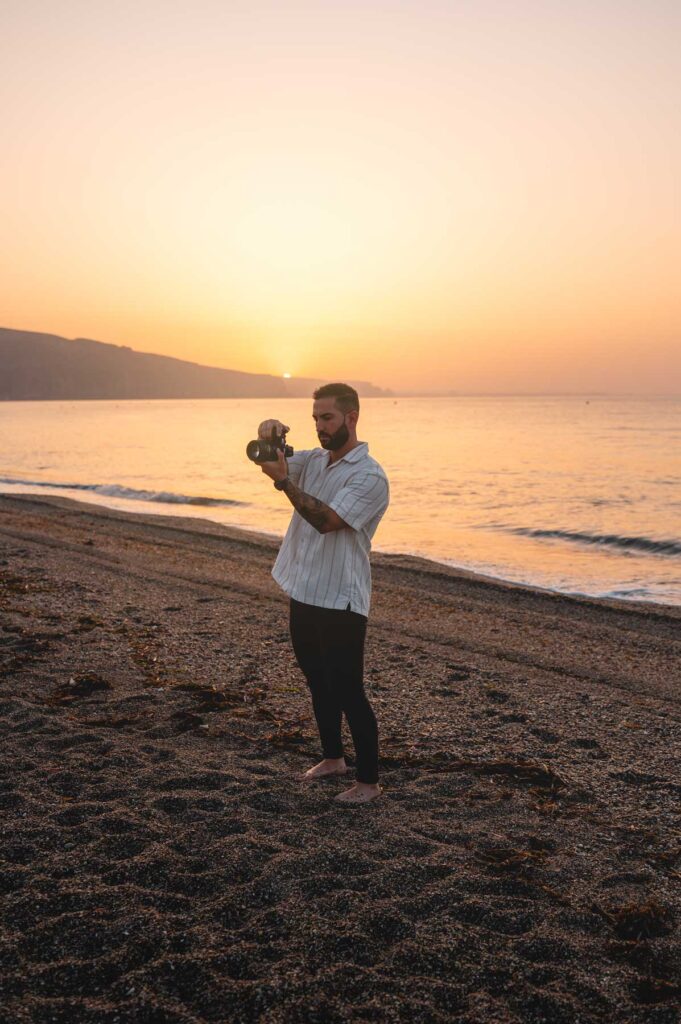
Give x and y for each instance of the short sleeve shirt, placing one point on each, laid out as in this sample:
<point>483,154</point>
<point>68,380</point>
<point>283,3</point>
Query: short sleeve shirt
<point>331,570</point>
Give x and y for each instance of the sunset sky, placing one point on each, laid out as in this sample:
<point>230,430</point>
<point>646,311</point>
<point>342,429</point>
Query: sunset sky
<point>479,196</point>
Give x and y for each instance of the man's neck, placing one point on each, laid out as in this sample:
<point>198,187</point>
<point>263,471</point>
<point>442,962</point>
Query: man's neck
<point>347,447</point>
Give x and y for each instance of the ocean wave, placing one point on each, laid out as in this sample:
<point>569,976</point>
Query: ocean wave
<point>132,494</point>
<point>628,593</point>
<point>614,540</point>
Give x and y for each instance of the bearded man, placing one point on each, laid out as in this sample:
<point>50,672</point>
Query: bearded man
<point>339,494</point>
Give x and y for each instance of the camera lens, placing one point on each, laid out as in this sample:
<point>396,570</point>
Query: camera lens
<point>254,451</point>
<point>265,451</point>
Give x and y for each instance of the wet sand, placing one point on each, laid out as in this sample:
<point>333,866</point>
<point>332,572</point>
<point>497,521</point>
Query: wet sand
<point>162,864</point>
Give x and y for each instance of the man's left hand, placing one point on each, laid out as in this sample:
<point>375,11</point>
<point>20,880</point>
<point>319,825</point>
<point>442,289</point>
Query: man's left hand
<point>276,470</point>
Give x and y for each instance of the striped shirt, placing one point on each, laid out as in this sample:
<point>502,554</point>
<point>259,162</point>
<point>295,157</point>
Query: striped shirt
<point>331,570</point>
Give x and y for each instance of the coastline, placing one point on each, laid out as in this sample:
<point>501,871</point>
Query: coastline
<point>439,562</point>
<point>161,859</point>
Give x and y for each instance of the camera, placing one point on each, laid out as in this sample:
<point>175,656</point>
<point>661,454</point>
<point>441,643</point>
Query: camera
<point>266,451</point>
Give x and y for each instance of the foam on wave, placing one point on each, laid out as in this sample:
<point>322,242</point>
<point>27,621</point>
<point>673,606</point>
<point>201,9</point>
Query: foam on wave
<point>614,540</point>
<point>131,493</point>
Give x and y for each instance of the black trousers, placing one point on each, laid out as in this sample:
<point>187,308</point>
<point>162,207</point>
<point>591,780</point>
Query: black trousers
<point>329,647</point>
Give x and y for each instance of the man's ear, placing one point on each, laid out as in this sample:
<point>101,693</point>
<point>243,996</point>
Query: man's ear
<point>354,413</point>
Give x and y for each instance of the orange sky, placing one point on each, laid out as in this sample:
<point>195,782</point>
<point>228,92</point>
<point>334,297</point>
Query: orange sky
<point>474,195</point>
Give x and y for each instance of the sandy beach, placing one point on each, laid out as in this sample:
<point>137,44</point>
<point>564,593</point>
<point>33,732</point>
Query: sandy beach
<point>163,865</point>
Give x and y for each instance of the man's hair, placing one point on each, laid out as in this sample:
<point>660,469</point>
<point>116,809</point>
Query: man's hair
<point>346,397</point>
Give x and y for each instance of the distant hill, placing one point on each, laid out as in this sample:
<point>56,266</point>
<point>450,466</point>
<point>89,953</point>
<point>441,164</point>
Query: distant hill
<point>44,366</point>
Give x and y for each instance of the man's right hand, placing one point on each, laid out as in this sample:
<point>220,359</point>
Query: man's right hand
<point>267,426</point>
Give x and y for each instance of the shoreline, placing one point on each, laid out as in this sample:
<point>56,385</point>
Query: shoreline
<point>163,863</point>
<point>376,552</point>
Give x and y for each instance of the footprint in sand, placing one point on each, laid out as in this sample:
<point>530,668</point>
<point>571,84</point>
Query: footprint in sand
<point>204,781</point>
<point>546,735</point>
<point>498,696</point>
<point>476,912</point>
<point>546,951</point>
<point>11,800</point>
<point>388,926</point>
<point>458,673</point>
<point>540,1006</point>
<point>78,814</point>
<point>76,979</point>
<point>171,805</point>
<point>77,740</point>
<point>121,848</point>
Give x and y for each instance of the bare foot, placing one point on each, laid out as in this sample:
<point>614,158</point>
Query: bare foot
<point>360,793</point>
<point>329,766</point>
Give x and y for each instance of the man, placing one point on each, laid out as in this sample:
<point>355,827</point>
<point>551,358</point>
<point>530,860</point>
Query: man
<point>339,494</point>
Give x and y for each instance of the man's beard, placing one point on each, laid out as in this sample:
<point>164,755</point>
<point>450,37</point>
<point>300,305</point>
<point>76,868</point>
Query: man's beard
<point>336,440</point>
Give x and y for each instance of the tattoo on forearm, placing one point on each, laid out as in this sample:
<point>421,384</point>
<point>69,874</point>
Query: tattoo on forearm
<point>311,509</point>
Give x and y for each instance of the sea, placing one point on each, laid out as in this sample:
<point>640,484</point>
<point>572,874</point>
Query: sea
<point>575,494</point>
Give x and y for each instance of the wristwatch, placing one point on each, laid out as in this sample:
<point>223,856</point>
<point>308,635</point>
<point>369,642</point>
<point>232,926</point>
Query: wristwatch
<point>281,484</point>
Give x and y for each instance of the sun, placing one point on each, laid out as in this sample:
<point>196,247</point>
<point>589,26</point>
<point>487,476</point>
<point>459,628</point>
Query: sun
<point>287,376</point>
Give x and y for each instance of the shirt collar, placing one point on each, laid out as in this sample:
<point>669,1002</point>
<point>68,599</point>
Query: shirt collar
<point>354,455</point>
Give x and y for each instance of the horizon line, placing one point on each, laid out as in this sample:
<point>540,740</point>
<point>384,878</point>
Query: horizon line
<point>391,392</point>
